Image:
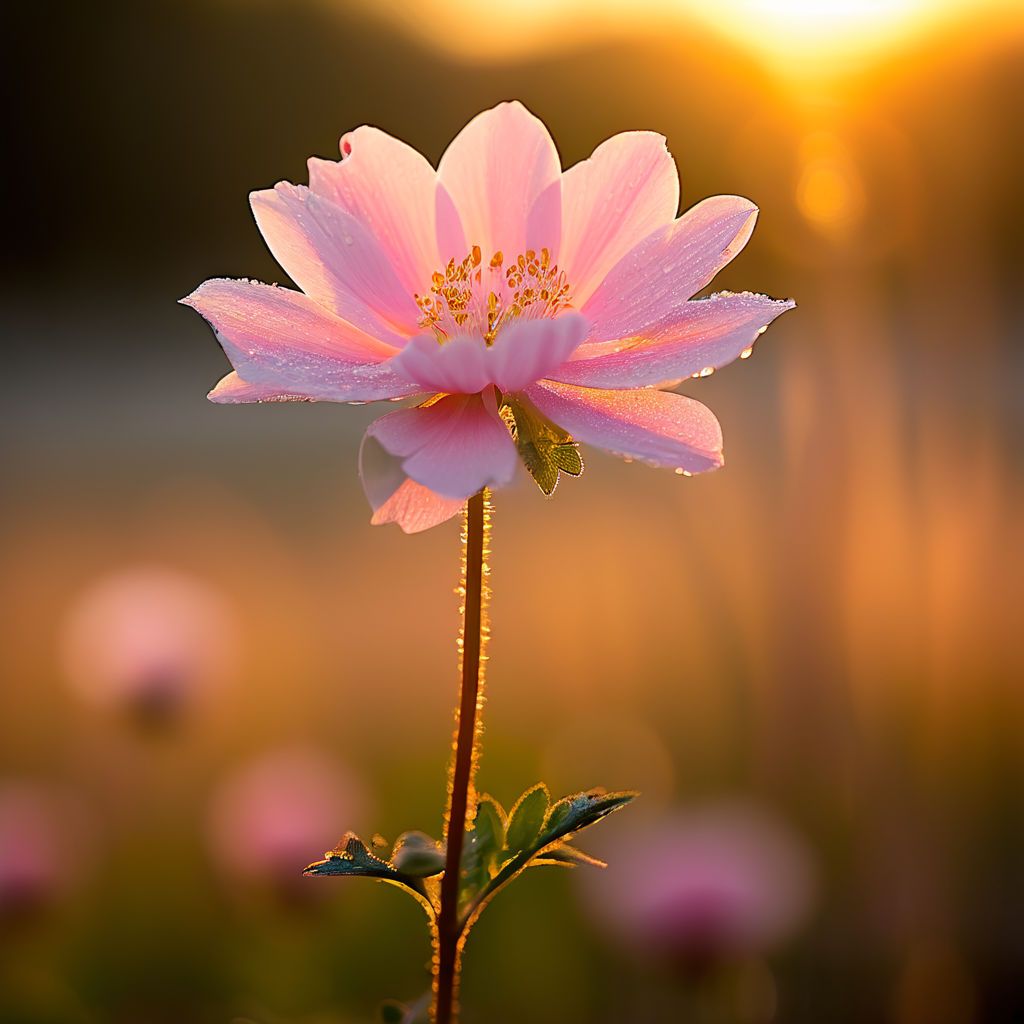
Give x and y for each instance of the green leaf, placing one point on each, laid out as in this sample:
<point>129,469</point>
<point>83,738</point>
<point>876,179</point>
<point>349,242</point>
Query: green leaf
<point>567,856</point>
<point>417,855</point>
<point>577,812</point>
<point>526,819</point>
<point>537,834</point>
<point>483,844</point>
<point>545,448</point>
<point>352,858</point>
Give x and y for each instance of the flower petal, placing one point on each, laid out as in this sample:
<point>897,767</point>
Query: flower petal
<point>391,189</point>
<point>626,190</point>
<point>708,333</point>
<point>394,497</point>
<point>416,508</point>
<point>335,260</point>
<point>455,446</point>
<point>522,353</point>
<point>232,390</point>
<point>457,367</point>
<point>657,426</point>
<point>530,350</point>
<point>503,173</point>
<point>646,289</point>
<point>284,344</point>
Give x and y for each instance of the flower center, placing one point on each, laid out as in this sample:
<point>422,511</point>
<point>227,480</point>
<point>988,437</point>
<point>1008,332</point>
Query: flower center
<point>471,297</point>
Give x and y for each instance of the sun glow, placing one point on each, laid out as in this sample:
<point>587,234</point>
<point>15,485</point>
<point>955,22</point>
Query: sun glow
<point>797,38</point>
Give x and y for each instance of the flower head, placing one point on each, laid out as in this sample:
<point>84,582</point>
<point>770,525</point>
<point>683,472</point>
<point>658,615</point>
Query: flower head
<point>277,810</point>
<point>38,826</point>
<point>149,640</point>
<point>527,309</point>
<point>716,883</point>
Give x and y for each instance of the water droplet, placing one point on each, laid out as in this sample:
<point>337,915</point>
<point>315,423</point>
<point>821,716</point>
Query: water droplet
<point>747,352</point>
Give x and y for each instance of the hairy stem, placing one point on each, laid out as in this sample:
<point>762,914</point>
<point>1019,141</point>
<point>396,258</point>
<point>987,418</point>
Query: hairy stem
<point>449,935</point>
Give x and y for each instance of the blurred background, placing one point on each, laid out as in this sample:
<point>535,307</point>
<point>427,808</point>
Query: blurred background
<point>810,663</point>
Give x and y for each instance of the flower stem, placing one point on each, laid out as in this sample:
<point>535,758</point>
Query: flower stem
<point>449,936</point>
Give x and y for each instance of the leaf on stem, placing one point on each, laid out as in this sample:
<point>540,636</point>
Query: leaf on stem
<point>536,834</point>
<point>351,857</point>
<point>577,812</point>
<point>526,819</point>
<point>566,856</point>
<point>484,843</point>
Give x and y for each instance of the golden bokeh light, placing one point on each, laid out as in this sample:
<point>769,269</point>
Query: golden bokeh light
<point>797,38</point>
<point>829,192</point>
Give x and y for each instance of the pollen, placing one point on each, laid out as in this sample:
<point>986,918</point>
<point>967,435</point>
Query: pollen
<point>472,296</point>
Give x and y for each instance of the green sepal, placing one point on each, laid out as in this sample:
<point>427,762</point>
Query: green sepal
<point>545,448</point>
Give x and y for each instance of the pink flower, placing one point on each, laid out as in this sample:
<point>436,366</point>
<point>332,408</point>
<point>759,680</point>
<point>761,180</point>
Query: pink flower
<point>149,640</point>
<point>276,813</point>
<point>46,844</point>
<point>536,309</point>
<point>718,882</point>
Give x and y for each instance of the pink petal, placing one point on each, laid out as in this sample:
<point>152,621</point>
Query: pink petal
<point>503,173</point>
<point>335,260</point>
<point>455,447</point>
<point>626,190</point>
<point>656,426</point>
<point>708,333</point>
<point>394,497</point>
<point>392,190</point>
<point>530,350</point>
<point>646,289</point>
<point>457,367</point>
<point>522,353</point>
<point>451,239</point>
<point>232,390</point>
<point>284,345</point>
<point>416,508</point>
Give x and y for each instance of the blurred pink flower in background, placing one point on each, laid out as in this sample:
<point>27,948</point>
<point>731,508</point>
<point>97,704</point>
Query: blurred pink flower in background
<point>711,884</point>
<point>274,814</point>
<point>534,308</point>
<point>46,844</point>
<point>150,640</point>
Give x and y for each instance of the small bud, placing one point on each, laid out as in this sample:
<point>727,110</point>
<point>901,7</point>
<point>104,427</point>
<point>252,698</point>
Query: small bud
<point>417,855</point>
